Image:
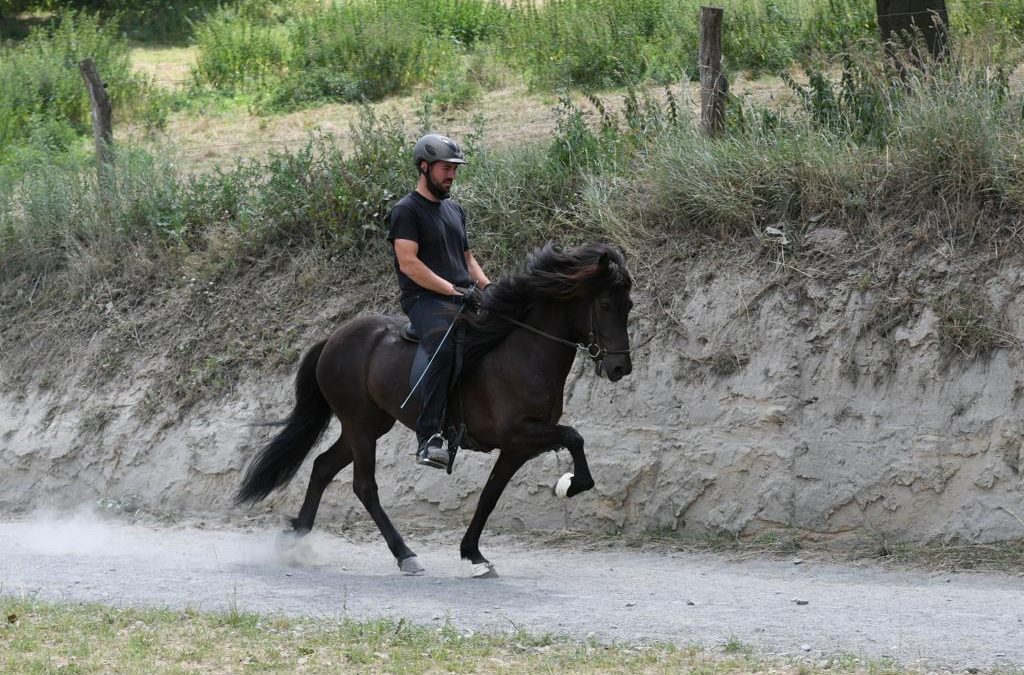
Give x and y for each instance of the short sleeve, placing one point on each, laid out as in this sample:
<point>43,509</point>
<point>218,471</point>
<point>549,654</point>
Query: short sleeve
<point>462,219</point>
<point>403,224</point>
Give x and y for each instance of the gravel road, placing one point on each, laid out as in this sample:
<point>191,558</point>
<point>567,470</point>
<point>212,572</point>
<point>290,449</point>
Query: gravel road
<point>816,609</point>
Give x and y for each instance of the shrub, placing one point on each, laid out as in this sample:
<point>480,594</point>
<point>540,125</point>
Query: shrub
<point>41,81</point>
<point>585,43</point>
<point>54,211</point>
<point>236,50</point>
<point>359,51</point>
<point>861,105</point>
<point>469,22</point>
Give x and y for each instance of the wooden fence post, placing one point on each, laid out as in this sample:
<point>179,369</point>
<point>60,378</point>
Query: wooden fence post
<point>713,85</point>
<point>102,124</point>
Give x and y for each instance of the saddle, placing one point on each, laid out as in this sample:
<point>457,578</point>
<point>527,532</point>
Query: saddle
<point>455,432</point>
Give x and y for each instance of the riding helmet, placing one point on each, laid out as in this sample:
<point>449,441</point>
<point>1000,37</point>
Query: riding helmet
<point>437,148</point>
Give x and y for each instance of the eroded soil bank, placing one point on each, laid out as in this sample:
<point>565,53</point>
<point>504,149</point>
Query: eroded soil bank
<point>828,394</point>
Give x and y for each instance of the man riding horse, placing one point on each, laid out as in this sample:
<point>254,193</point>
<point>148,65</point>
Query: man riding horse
<point>436,273</point>
<point>518,352</point>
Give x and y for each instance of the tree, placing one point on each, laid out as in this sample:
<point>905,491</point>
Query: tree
<point>908,23</point>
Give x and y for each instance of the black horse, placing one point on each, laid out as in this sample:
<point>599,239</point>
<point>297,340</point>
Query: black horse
<point>518,352</point>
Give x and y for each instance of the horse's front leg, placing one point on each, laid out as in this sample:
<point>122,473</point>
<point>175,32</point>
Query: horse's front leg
<point>580,480</point>
<point>531,442</point>
<point>509,461</point>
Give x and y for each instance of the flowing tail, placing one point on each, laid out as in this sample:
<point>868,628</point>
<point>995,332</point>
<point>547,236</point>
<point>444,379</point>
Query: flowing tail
<point>280,459</point>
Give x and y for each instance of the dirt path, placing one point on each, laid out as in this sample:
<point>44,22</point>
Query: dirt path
<point>949,621</point>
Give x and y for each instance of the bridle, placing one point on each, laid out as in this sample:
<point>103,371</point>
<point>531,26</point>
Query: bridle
<point>594,349</point>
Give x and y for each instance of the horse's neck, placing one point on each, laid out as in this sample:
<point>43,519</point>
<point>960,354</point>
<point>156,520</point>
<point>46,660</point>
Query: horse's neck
<point>553,319</point>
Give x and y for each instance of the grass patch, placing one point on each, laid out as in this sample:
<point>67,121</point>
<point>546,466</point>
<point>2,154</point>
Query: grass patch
<point>44,637</point>
<point>969,326</point>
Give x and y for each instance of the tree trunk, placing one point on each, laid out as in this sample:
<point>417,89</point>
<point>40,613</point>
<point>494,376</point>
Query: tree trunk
<point>909,23</point>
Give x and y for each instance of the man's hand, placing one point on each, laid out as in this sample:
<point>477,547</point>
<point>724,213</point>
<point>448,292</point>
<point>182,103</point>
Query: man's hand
<point>471,295</point>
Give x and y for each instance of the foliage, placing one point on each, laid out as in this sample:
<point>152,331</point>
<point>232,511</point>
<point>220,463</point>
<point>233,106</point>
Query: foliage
<point>583,42</point>
<point>381,48</point>
<point>318,193</point>
<point>861,105</point>
<point>367,49</point>
<point>43,92</point>
<point>938,145</point>
<point>235,52</point>
<point>344,52</point>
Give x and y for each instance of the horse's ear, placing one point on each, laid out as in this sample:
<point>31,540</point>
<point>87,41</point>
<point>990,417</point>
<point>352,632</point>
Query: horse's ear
<point>602,263</point>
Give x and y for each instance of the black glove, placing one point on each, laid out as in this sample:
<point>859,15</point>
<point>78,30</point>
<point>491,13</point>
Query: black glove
<point>471,295</point>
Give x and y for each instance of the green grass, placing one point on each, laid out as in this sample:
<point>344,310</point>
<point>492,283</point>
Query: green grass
<point>39,637</point>
<point>938,149</point>
<point>367,49</point>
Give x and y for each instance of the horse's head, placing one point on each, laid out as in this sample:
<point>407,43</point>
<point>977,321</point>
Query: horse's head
<point>610,312</point>
<point>609,315</point>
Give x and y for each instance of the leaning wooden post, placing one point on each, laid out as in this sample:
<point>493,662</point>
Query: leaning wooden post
<point>102,124</point>
<point>713,85</point>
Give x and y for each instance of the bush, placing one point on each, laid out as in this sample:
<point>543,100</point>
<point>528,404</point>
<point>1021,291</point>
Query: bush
<point>359,51</point>
<point>54,211</point>
<point>469,22</point>
<point>237,51</point>
<point>42,85</point>
<point>585,43</point>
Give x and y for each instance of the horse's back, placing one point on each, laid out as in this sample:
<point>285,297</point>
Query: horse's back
<point>366,361</point>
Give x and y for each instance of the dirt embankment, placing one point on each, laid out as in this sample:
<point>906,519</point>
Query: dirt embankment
<point>842,392</point>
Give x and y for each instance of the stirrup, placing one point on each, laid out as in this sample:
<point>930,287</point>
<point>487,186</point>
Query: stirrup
<point>432,453</point>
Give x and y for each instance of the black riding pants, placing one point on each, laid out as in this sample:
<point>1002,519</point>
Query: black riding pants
<point>431,315</point>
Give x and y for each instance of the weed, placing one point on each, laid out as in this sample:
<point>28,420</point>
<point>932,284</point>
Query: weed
<point>727,361</point>
<point>967,324</point>
<point>736,646</point>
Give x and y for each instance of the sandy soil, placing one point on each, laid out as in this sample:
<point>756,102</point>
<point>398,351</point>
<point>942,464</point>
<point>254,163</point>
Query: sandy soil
<point>806,609</point>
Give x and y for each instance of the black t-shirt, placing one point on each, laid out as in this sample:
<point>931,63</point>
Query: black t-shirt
<point>440,230</point>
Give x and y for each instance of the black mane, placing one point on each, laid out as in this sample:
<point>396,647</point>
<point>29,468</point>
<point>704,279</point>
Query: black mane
<point>550,274</point>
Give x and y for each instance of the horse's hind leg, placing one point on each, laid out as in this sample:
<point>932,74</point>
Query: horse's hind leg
<point>364,483</point>
<point>325,468</point>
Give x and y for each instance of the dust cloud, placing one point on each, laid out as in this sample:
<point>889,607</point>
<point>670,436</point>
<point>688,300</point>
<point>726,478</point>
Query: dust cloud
<point>88,533</point>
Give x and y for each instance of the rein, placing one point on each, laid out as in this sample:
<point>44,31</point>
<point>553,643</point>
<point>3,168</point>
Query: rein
<point>594,349</point>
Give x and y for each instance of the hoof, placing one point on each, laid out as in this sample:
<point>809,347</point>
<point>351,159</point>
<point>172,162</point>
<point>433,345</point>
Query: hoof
<point>411,566</point>
<point>484,570</point>
<point>563,484</point>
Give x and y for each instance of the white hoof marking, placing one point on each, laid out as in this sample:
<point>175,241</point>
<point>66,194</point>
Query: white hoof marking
<point>411,567</point>
<point>562,486</point>
<point>484,571</point>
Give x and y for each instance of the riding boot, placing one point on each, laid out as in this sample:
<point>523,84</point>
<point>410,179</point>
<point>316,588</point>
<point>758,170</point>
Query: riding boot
<point>431,452</point>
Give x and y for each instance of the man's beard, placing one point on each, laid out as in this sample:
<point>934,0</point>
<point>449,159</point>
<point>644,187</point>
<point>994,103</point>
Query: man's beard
<point>437,189</point>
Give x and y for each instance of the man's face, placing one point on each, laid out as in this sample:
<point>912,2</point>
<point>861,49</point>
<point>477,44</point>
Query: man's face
<point>440,177</point>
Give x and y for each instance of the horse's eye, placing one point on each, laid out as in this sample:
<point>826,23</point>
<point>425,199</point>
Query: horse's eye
<point>605,306</point>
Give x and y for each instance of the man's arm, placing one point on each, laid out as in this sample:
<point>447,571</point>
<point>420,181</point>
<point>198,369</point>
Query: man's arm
<point>407,252</point>
<point>476,273</point>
